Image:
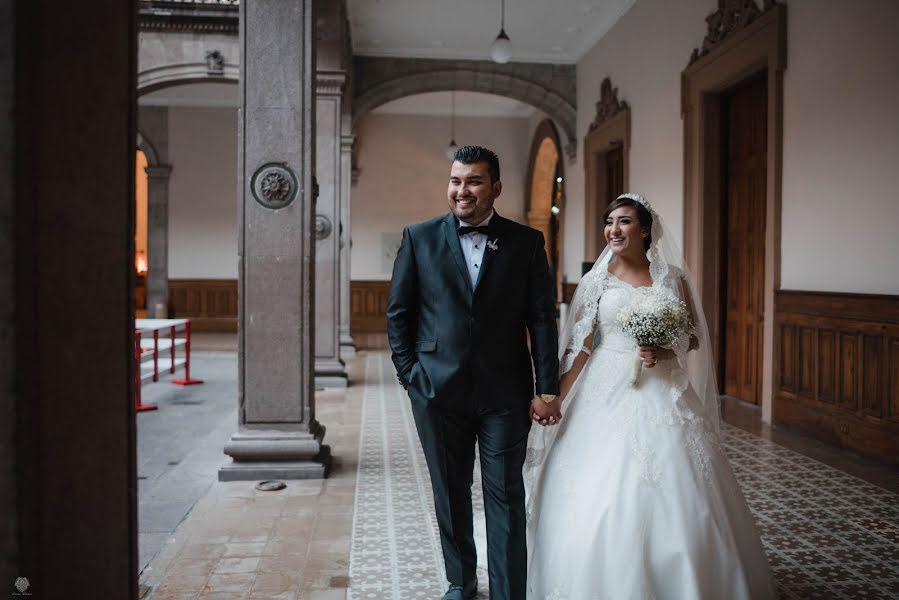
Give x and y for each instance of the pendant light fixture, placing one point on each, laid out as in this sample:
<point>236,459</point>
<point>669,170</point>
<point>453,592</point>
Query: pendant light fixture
<point>501,50</point>
<point>451,149</point>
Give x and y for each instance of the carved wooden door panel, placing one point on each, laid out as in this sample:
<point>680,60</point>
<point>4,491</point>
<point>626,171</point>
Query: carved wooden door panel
<point>611,186</point>
<point>614,175</point>
<point>745,121</point>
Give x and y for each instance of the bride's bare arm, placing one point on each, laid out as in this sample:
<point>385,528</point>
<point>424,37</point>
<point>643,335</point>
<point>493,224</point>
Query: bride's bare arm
<point>569,377</point>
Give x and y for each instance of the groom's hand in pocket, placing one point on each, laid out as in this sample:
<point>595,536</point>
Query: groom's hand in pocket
<point>546,413</point>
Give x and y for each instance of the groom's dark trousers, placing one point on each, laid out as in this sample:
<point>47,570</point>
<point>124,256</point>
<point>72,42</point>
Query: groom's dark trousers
<point>462,353</point>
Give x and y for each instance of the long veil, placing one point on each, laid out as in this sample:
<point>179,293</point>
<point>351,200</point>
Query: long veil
<point>694,355</point>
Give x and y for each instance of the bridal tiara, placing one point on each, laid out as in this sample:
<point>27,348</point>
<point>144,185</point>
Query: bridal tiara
<point>635,198</point>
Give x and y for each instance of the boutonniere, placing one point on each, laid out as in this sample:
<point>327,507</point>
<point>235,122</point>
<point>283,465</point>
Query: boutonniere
<point>493,244</point>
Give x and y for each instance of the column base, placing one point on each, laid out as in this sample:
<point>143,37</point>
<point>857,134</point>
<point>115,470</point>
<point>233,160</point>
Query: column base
<point>330,373</point>
<point>347,346</point>
<point>274,454</point>
<point>277,470</point>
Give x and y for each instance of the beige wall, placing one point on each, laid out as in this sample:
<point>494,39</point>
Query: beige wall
<point>644,54</point>
<point>405,172</point>
<point>841,147</point>
<point>841,133</point>
<point>203,193</point>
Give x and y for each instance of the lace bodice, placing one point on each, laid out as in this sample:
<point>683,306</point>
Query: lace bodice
<point>616,295</point>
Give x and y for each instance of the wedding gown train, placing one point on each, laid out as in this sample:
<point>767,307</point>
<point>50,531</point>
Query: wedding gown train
<point>636,498</point>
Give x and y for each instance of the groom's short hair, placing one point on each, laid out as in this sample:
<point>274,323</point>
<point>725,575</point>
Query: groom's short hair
<point>469,155</point>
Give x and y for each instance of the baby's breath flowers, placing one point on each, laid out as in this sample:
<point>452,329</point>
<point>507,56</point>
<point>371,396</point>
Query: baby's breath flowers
<point>653,317</point>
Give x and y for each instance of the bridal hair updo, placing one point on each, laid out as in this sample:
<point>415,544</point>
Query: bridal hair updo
<point>643,215</point>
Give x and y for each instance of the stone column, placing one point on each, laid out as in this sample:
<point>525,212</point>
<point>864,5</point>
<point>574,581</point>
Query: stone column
<point>347,344</point>
<point>278,436</point>
<point>329,368</point>
<point>158,240</point>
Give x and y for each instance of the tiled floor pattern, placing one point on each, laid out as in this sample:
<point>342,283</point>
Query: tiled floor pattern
<point>395,551</point>
<point>827,534</point>
<point>238,543</point>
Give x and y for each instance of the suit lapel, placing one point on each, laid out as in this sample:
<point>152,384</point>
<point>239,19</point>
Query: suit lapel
<point>452,240</point>
<point>493,241</point>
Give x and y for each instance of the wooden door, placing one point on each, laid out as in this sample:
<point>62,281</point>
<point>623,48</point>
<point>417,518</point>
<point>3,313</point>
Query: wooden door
<point>745,144</point>
<point>614,176</point>
<point>611,167</point>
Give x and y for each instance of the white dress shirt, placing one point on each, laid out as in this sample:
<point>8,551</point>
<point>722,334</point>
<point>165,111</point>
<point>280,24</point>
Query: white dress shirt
<point>473,248</point>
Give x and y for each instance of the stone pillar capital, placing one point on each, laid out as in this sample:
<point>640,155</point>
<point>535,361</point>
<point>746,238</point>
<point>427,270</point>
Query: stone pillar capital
<point>329,83</point>
<point>159,171</point>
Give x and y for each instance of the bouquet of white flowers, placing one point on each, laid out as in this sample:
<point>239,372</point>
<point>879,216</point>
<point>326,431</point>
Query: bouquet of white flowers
<point>654,317</point>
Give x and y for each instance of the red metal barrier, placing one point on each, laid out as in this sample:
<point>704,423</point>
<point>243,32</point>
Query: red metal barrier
<point>187,380</point>
<point>155,355</point>
<point>138,405</point>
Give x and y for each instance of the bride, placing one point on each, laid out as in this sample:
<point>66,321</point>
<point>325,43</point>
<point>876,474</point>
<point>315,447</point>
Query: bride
<point>631,495</point>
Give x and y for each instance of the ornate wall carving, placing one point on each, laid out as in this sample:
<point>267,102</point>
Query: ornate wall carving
<point>608,105</point>
<point>731,17</point>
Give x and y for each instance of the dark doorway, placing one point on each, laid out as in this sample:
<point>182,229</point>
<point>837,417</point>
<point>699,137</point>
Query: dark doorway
<point>744,120</point>
<point>611,186</point>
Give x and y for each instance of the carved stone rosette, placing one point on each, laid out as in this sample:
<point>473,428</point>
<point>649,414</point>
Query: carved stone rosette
<point>731,17</point>
<point>274,185</point>
<point>608,105</point>
<point>323,227</point>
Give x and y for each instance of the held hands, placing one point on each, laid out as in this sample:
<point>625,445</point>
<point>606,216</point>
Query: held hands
<point>650,355</point>
<point>546,413</point>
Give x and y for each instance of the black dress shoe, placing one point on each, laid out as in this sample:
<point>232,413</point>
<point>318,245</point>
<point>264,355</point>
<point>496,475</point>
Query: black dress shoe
<point>462,592</point>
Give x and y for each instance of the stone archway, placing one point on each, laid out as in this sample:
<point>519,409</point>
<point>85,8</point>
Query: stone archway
<point>550,88</point>
<point>152,140</point>
<point>545,196</point>
<point>193,59</point>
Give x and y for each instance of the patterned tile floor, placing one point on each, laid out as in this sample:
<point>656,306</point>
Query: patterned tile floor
<point>827,534</point>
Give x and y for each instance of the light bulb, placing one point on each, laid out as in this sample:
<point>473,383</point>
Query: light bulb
<point>451,149</point>
<point>501,50</point>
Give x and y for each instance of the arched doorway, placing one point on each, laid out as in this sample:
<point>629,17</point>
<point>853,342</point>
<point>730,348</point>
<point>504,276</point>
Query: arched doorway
<point>406,140</point>
<point>188,130</point>
<point>412,78</point>
<point>140,234</point>
<point>545,195</point>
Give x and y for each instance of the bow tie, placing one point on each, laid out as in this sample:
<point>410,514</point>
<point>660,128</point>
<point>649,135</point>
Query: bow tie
<point>465,229</point>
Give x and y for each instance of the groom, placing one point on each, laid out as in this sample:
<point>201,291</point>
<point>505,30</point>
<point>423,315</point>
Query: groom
<point>467,288</point>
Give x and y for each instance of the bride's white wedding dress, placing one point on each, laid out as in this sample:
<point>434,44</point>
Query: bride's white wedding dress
<point>636,498</point>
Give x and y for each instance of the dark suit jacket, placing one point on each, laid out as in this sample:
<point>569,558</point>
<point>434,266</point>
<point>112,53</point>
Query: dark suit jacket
<point>452,343</point>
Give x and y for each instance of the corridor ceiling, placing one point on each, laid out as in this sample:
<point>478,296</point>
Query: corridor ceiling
<point>554,31</point>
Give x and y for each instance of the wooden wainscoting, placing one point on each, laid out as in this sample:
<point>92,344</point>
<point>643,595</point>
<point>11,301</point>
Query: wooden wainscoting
<point>836,369</point>
<point>210,304</point>
<point>368,306</point>
<point>568,290</point>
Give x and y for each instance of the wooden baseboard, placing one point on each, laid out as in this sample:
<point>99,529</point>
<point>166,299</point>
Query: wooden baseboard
<point>368,306</point>
<point>568,290</point>
<point>836,369</point>
<point>210,304</point>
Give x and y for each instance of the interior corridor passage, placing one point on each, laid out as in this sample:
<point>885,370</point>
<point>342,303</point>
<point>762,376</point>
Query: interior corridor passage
<point>368,531</point>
